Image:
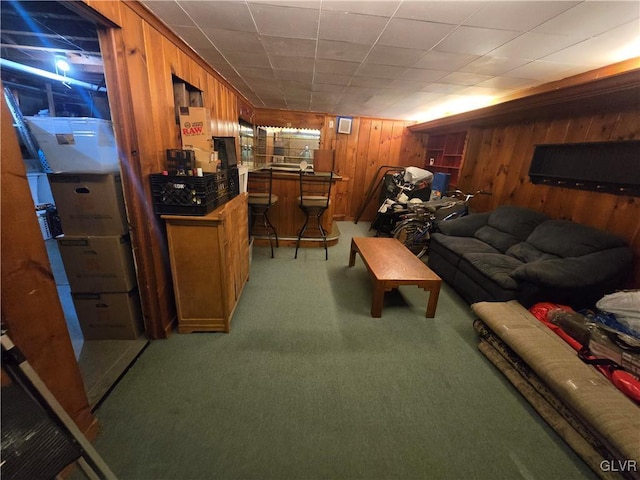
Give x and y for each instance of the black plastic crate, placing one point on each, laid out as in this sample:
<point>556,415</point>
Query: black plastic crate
<point>187,195</point>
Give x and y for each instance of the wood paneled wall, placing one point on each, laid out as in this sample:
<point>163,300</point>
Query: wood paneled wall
<point>497,159</point>
<point>140,58</point>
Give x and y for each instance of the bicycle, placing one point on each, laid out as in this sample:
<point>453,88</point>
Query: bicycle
<point>414,231</point>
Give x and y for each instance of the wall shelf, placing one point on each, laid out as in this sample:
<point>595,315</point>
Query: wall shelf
<point>444,154</point>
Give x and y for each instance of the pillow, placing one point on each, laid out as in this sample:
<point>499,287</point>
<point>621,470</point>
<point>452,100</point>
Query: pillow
<point>568,239</point>
<point>517,221</point>
<point>527,253</point>
<point>501,241</point>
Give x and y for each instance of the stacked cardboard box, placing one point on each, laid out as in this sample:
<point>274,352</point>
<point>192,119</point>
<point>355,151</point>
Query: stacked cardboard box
<point>195,131</point>
<point>97,255</point>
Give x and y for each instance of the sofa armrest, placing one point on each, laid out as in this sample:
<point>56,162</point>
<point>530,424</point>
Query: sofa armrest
<point>463,226</point>
<point>577,272</point>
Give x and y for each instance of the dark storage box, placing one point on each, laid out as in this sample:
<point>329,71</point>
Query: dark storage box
<point>180,161</point>
<point>185,195</point>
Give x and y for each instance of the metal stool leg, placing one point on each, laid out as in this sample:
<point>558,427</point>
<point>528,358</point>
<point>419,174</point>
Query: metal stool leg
<point>304,227</point>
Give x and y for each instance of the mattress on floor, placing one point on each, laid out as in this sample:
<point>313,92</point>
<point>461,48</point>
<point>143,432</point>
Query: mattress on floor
<point>613,417</point>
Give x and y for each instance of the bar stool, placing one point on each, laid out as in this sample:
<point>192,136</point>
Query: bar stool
<point>314,199</point>
<point>261,199</point>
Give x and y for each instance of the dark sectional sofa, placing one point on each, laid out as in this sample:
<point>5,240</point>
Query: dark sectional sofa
<point>518,254</point>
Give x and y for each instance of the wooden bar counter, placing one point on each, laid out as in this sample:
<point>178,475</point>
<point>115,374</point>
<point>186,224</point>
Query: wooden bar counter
<point>287,217</point>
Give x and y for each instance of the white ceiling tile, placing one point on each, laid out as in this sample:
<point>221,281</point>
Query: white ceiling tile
<point>543,70</point>
<point>367,81</point>
<point>220,14</point>
<point>247,59</point>
<point>507,83</point>
<point>422,75</point>
<point>350,27</point>
<point>297,76</point>
<point>441,88</point>
<point>533,45</point>
<point>414,33</point>
<point>314,4</point>
<point>285,21</point>
<point>445,61</point>
<point>254,72</point>
<point>463,78</point>
<point>406,86</point>
<point>518,15</point>
<point>231,40</point>
<point>326,87</point>
<point>489,65</point>
<point>170,12</point>
<point>335,66</point>
<point>349,52</point>
<point>591,18</point>
<point>332,78</point>
<point>401,57</point>
<point>291,47</point>
<point>382,8</point>
<point>453,12</point>
<point>474,40</point>
<point>380,71</point>
<point>296,64</point>
<point>610,47</point>
<point>193,36</point>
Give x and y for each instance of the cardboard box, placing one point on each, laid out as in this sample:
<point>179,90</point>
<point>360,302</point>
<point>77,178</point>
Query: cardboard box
<point>76,144</point>
<point>89,203</point>
<point>195,128</point>
<point>98,263</point>
<point>109,316</point>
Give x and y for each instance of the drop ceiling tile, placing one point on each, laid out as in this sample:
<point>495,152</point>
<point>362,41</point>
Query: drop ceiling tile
<point>508,83</point>
<point>366,81</point>
<point>247,59</point>
<point>314,4</point>
<point>364,91</point>
<point>213,57</point>
<point>490,65</point>
<point>610,47</point>
<point>591,18</point>
<point>289,47</point>
<point>325,97</point>
<point>475,41</point>
<point>349,52</point>
<point>220,15</point>
<point>401,57</point>
<point>335,66</point>
<point>297,64</point>
<point>405,33</point>
<point>441,88</point>
<point>441,12</point>
<point>540,70</point>
<point>518,15</point>
<point>405,86</point>
<point>294,76</point>
<point>380,71</point>
<point>350,27</point>
<point>326,87</point>
<point>285,21</point>
<point>332,78</point>
<point>264,88</point>
<point>444,61</point>
<point>533,46</point>
<point>255,72</point>
<point>422,75</point>
<point>230,40</point>
<point>193,36</point>
<point>463,78</point>
<point>169,11</point>
<point>382,8</point>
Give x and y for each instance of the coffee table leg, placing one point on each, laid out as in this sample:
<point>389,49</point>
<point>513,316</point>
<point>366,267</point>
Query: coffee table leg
<point>378,299</point>
<point>434,292</point>
<point>352,255</point>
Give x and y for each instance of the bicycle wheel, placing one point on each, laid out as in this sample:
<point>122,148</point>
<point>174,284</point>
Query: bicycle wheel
<point>415,236</point>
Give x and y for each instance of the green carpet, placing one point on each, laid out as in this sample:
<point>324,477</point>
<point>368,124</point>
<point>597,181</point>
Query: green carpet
<point>308,386</point>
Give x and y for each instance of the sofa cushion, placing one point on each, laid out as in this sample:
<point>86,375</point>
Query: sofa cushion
<point>499,240</point>
<point>495,267</point>
<point>526,253</point>
<point>568,239</point>
<point>516,221</point>
<point>452,248</point>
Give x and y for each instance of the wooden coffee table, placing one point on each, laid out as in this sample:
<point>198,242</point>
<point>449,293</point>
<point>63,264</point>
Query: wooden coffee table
<point>391,264</point>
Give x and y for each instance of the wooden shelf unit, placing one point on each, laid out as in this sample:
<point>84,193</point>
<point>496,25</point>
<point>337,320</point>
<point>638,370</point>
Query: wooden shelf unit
<point>445,153</point>
<point>209,264</point>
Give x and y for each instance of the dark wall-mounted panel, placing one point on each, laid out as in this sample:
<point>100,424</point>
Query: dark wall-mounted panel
<point>609,167</point>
